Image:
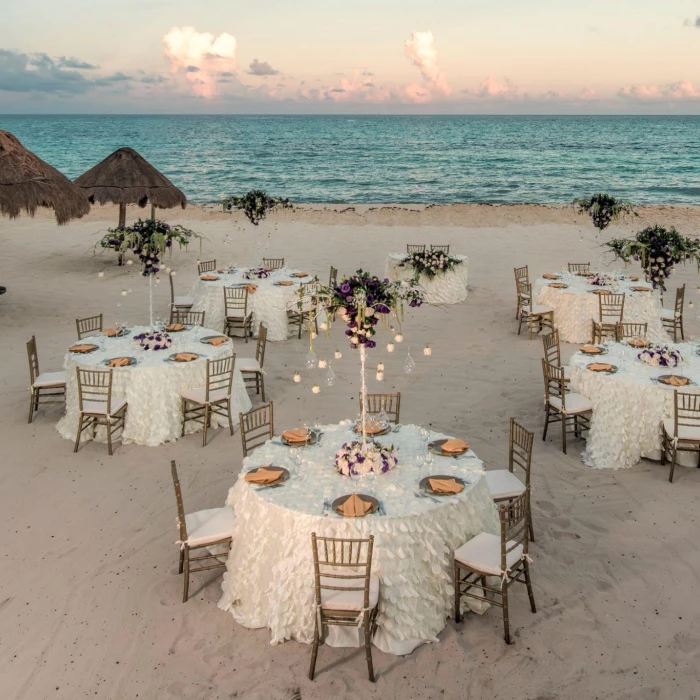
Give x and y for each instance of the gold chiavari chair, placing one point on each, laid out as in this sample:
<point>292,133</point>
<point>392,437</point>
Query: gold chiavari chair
<point>252,368</point>
<point>236,309</point>
<point>682,432</point>
<point>201,530</point>
<point>306,307</point>
<point>97,406</point>
<point>490,555</point>
<point>178,302</point>
<point>579,267</point>
<point>632,331</point>
<point>206,266</point>
<point>570,409</point>
<point>410,248</point>
<point>389,403</point>
<point>257,427</point>
<point>88,326</point>
<point>672,320</point>
<point>214,397</point>
<point>333,279</point>
<point>522,276</point>
<point>187,318</point>
<point>49,387</point>
<point>273,263</point>
<point>346,592</point>
<point>440,249</point>
<point>611,308</point>
<point>502,483</point>
<point>552,351</point>
<point>534,314</point>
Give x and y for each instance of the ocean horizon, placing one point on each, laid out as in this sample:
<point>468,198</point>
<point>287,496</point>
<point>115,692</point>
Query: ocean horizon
<point>392,159</point>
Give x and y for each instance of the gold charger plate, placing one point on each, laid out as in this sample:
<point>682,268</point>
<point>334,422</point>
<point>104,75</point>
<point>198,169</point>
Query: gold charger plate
<point>425,484</point>
<point>436,448</point>
<point>282,477</point>
<point>367,499</point>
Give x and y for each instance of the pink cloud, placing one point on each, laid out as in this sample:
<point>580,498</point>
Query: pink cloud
<point>420,48</point>
<point>493,88</point>
<point>680,90</point>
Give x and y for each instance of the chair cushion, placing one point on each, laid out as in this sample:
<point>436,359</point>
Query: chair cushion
<point>668,314</point>
<point>538,309</point>
<point>483,553</point>
<point>183,301</point>
<point>503,484</point>
<point>247,364</point>
<point>205,526</point>
<point>350,599</point>
<point>100,409</point>
<point>47,379</point>
<point>575,403</point>
<point>200,395</point>
<point>240,318</point>
<point>685,432</point>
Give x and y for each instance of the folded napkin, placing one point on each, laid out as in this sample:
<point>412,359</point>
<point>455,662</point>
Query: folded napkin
<point>585,274</point>
<point>641,289</point>
<point>372,427</point>
<point>111,332</point>
<point>285,283</point>
<point>82,348</point>
<point>592,349</point>
<point>550,276</point>
<point>216,342</point>
<point>251,288</point>
<point>557,285</point>
<point>600,367</point>
<point>445,486</point>
<point>634,278</point>
<point>173,327</point>
<point>185,356</point>
<point>119,362</point>
<point>300,274</point>
<point>220,270</point>
<point>454,446</point>
<point>299,435</point>
<point>264,475</point>
<point>354,507</point>
<point>209,278</point>
<point>638,343</point>
<point>601,291</point>
<point>673,380</point>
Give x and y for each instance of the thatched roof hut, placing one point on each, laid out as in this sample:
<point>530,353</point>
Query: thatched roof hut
<point>27,182</point>
<point>125,177</point>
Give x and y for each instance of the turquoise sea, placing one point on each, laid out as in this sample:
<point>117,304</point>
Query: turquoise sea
<point>393,159</point>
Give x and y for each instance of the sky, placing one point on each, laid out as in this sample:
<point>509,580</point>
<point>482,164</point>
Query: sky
<point>350,56</point>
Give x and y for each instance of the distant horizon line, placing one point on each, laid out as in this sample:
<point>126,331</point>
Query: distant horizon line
<point>339,115</point>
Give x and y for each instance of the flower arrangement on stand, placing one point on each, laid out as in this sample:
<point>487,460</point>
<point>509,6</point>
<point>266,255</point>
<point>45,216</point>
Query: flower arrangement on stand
<point>430,263</point>
<point>255,205</point>
<point>604,209</point>
<point>356,459</point>
<point>660,356</point>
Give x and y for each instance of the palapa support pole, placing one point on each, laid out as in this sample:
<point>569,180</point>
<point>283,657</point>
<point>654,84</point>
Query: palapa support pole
<point>122,225</point>
<point>153,212</point>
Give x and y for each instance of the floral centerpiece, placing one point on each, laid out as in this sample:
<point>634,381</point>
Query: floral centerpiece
<point>604,209</point>
<point>154,341</point>
<point>599,281</point>
<point>258,273</point>
<point>661,356</point>
<point>430,263</point>
<point>255,205</point>
<point>354,459</point>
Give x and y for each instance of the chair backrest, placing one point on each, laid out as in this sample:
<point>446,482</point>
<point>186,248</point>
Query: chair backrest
<point>580,267</point>
<point>333,279</point>
<point>273,263</point>
<point>172,289</point>
<point>220,375</point>
<point>520,452</point>
<point>88,326</point>
<point>181,520</point>
<point>33,356</point>
<point>686,411</point>
<point>513,516</point>
<point>344,564</point>
<point>206,266</point>
<point>611,307</point>
<point>525,296</point>
<point>552,347</point>
<point>257,427</point>
<point>261,345</point>
<point>95,386</point>
<point>414,248</point>
<point>389,403</point>
<point>440,249</point>
<point>554,384</point>
<point>680,298</point>
<point>236,301</point>
<point>632,331</point>
<point>187,317</point>
<point>522,274</point>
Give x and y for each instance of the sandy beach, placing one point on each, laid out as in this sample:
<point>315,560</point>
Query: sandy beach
<point>90,599</point>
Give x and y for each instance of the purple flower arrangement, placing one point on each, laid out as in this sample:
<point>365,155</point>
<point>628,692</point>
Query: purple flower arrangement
<point>430,263</point>
<point>154,341</point>
<point>660,356</point>
<point>352,460</point>
<point>599,281</point>
<point>258,273</point>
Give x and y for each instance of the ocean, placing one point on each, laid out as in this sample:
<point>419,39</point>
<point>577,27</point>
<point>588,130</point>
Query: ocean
<point>391,159</point>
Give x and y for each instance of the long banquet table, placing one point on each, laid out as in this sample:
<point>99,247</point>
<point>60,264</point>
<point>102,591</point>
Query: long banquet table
<point>445,288</point>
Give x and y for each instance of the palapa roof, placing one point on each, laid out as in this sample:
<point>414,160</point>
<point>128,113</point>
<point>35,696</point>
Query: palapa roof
<point>125,177</point>
<point>27,182</point>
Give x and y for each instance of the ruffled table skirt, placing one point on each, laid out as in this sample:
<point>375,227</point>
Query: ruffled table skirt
<point>447,288</point>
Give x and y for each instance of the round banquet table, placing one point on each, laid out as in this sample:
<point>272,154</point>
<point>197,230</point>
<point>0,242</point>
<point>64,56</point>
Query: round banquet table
<point>629,406</point>
<point>445,288</point>
<point>269,580</point>
<point>152,387</point>
<point>268,304</point>
<point>576,306</point>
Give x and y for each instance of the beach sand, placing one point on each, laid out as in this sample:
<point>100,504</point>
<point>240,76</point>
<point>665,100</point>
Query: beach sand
<point>90,599</point>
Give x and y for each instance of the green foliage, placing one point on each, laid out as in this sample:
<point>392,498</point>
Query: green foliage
<point>255,204</point>
<point>604,209</point>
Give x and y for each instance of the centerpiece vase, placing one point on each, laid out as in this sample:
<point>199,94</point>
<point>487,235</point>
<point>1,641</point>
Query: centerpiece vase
<point>363,389</point>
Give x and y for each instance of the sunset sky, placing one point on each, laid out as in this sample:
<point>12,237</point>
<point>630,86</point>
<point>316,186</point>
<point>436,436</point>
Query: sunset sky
<point>328,56</point>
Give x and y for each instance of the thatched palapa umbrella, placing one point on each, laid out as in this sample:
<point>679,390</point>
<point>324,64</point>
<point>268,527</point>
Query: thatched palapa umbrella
<point>27,182</point>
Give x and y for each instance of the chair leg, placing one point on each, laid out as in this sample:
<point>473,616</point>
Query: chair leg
<point>529,523</point>
<point>206,425</point>
<point>80,432</point>
<point>563,433</point>
<point>230,417</point>
<point>183,405</point>
<point>664,448</point>
<point>674,452</point>
<point>546,424</point>
<point>31,406</point>
<point>528,583</point>
<point>109,437</point>
<point>458,614</point>
<point>182,561</point>
<point>506,624</point>
<point>262,386</point>
<point>368,648</point>
<point>314,650</point>
<point>187,574</point>
<point>520,323</point>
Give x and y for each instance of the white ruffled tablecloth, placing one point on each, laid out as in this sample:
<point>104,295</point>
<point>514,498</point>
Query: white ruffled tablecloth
<point>446,288</point>
<point>268,304</point>
<point>270,580</point>
<point>153,387</point>
<point>628,406</point>
<point>577,306</point>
